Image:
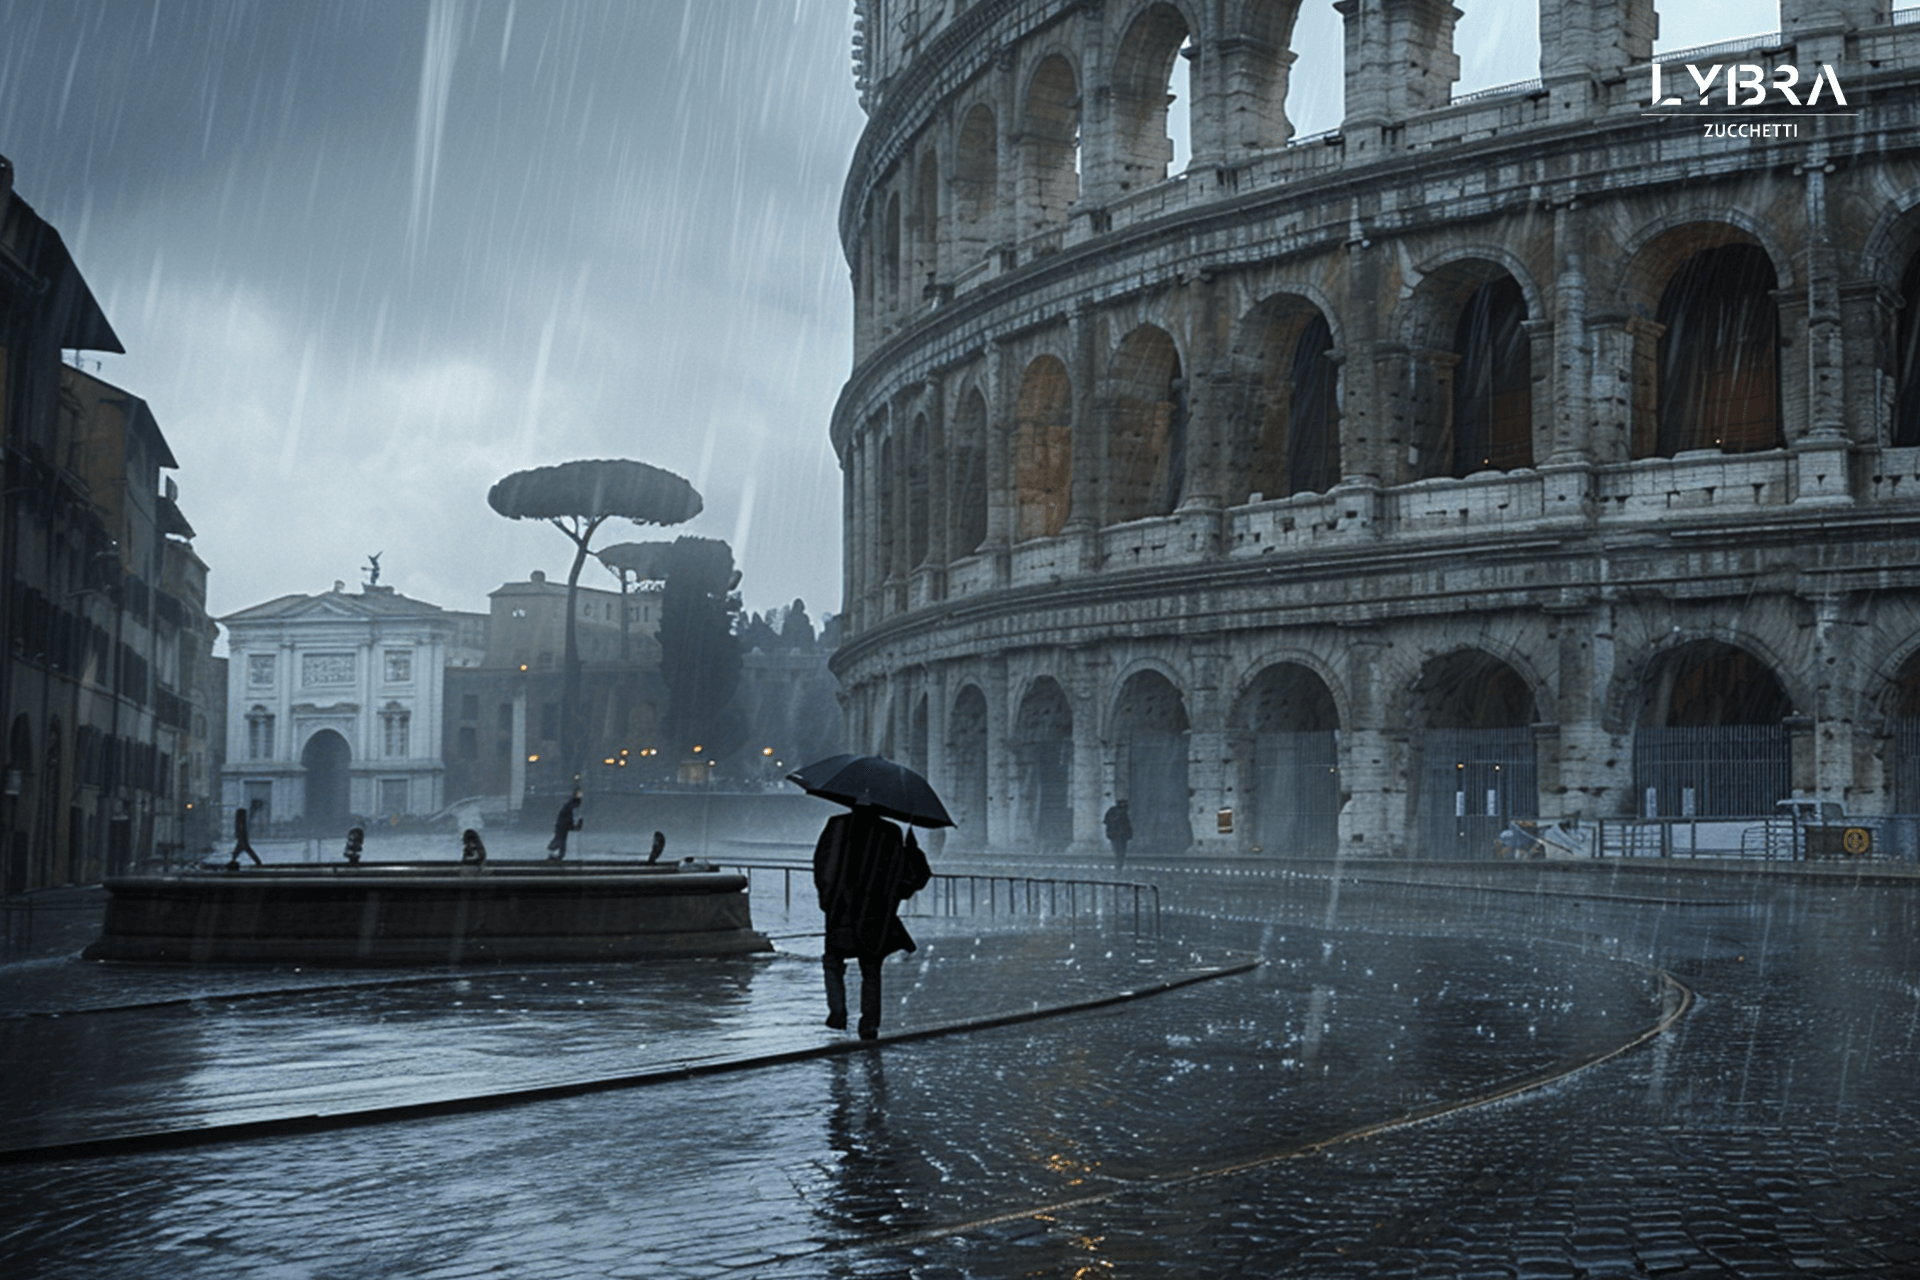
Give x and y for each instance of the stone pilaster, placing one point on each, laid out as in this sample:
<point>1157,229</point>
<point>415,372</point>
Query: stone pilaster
<point>1399,62</point>
<point>1583,42</point>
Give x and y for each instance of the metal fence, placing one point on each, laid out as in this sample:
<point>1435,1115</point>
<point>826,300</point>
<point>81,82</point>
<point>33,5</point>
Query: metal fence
<point>1473,782</point>
<point>1721,771</point>
<point>954,893</point>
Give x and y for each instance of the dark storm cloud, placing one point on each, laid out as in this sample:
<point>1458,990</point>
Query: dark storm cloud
<point>367,257</point>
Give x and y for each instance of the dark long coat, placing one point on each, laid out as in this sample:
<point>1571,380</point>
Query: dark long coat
<point>862,872</point>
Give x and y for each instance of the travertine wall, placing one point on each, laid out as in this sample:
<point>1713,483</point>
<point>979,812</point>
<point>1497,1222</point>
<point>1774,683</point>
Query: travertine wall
<point>1609,420</point>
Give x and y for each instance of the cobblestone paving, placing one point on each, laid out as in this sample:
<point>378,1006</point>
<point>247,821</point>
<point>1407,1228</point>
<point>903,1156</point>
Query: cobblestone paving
<point>1772,1131</point>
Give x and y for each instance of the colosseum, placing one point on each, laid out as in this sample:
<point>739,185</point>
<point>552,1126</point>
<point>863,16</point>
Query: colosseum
<point>1551,451</point>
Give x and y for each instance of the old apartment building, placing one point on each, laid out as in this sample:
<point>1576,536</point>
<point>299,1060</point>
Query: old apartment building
<point>107,682</point>
<point>1540,451</point>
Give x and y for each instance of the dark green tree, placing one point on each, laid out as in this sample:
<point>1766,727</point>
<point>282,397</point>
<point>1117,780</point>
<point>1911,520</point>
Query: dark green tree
<point>699,652</point>
<point>577,498</point>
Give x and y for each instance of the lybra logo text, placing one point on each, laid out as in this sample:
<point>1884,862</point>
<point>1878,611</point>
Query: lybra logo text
<point>1747,85</point>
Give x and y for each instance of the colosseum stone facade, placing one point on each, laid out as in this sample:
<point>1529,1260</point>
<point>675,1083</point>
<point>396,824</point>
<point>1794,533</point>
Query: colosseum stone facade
<point>1521,453</point>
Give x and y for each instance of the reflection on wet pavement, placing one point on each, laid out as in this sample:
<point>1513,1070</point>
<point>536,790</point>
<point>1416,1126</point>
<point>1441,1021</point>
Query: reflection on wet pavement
<point>1771,1127</point>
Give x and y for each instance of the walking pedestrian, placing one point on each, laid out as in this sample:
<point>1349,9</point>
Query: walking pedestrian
<point>1119,832</point>
<point>472,849</point>
<point>241,844</point>
<point>565,823</point>
<point>863,871</point>
<point>659,847</point>
<point>356,845</point>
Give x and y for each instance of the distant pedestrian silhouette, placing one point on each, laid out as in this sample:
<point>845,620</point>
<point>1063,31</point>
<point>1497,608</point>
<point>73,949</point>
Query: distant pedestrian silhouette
<point>659,846</point>
<point>1119,831</point>
<point>356,845</point>
<point>565,823</point>
<point>472,850</point>
<point>240,842</point>
<point>862,872</point>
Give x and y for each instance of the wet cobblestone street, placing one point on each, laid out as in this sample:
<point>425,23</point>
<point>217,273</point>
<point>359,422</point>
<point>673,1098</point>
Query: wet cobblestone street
<point>1418,1080</point>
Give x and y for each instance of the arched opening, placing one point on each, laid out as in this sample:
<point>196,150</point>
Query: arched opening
<point>1147,427</point>
<point>976,185</point>
<point>1472,717</point>
<point>1906,361</point>
<point>1043,450</point>
<point>1050,144</point>
<point>1143,85</point>
<point>967,499</point>
<point>926,227</point>
<point>966,793</point>
<point>890,251</point>
<point>1043,768</point>
<point>1718,356</point>
<point>1295,403</point>
<point>917,738</point>
<point>1711,738</point>
<point>1287,753</point>
<point>1493,381</point>
<point>1150,763</point>
<point>918,494</point>
<point>325,760</point>
<point>1903,751</point>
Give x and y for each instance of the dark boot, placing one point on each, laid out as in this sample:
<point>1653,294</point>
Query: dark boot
<point>836,971</point>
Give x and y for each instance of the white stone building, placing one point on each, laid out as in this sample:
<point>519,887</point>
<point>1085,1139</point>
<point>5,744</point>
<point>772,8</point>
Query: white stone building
<point>334,707</point>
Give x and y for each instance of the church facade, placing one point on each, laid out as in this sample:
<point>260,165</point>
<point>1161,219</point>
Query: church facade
<point>335,707</point>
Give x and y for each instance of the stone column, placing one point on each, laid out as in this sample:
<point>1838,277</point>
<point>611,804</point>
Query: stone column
<point>1206,112</point>
<point>1208,773</point>
<point>1370,822</point>
<point>1583,42</point>
<point>1818,28</point>
<point>1835,663</point>
<point>1251,82</point>
<point>1568,386</point>
<point>1399,62</point>
<point>1001,500</point>
<point>1000,763</point>
<point>1099,181</point>
<point>1083,504</point>
<point>1089,675</point>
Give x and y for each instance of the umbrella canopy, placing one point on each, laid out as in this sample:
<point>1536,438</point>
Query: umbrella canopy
<point>893,789</point>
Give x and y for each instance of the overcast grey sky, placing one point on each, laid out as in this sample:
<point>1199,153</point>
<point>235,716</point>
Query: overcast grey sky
<point>368,256</point>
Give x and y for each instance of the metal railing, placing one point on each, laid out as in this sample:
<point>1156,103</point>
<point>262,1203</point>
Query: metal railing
<point>954,893</point>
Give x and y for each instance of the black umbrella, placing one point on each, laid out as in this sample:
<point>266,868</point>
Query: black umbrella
<point>892,789</point>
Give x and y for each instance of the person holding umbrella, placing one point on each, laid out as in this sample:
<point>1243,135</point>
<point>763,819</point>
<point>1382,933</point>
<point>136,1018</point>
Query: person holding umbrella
<point>863,870</point>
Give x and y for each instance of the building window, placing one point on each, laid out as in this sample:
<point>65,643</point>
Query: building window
<point>259,734</point>
<point>394,721</point>
<point>469,706</point>
<point>469,742</point>
<point>260,669</point>
<point>506,717</point>
<point>399,666</point>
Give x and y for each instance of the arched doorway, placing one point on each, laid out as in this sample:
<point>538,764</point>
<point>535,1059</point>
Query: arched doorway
<point>966,793</point>
<point>1473,754</point>
<point>1150,762</point>
<point>1289,773</point>
<point>1711,740</point>
<point>325,759</point>
<point>1043,768</point>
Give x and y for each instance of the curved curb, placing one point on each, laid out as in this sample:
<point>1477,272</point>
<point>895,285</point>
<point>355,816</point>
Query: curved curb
<point>1676,992</point>
<point>285,1126</point>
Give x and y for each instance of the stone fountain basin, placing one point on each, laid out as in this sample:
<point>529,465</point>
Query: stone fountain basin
<point>428,914</point>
